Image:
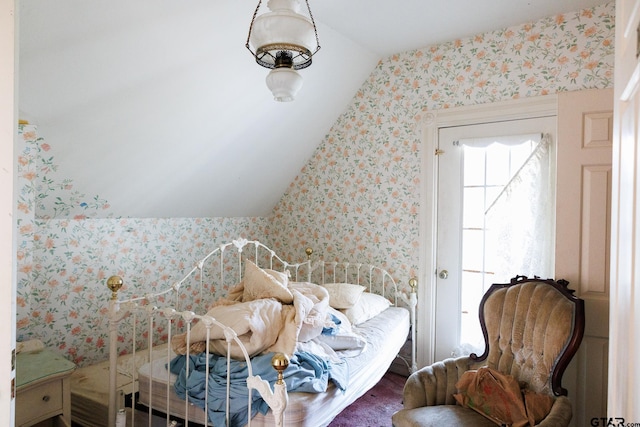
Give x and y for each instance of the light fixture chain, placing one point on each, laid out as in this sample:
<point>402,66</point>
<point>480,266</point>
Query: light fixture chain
<point>251,26</point>
<point>315,29</point>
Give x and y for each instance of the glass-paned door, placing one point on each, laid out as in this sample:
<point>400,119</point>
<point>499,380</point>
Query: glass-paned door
<point>495,219</point>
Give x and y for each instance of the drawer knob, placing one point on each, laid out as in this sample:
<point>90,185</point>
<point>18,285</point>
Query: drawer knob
<point>45,398</point>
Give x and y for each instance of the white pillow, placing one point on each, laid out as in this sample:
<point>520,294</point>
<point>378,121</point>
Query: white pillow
<point>259,283</point>
<point>345,324</point>
<point>343,337</point>
<point>343,341</point>
<point>368,306</point>
<point>343,295</point>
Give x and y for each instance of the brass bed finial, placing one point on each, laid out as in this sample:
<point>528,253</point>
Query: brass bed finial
<point>309,252</point>
<point>413,283</point>
<point>114,283</point>
<point>280,361</point>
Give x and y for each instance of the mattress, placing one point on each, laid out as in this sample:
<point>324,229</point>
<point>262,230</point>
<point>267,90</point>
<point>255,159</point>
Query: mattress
<point>385,334</point>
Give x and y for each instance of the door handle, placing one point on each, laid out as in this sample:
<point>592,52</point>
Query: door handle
<point>443,274</point>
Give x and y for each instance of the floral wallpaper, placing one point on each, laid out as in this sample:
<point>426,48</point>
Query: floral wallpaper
<point>358,197</point>
<point>36,167</point>
<point>360,193</point>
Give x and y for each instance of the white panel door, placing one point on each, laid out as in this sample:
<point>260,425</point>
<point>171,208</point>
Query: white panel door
<point>624,370</point>
<point>583,223</point>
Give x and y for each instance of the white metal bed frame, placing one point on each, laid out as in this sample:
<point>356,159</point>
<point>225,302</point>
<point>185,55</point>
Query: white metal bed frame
<point>154,306</point>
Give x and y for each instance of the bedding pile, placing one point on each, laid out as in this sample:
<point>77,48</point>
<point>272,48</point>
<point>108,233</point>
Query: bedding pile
<point>311,324</point>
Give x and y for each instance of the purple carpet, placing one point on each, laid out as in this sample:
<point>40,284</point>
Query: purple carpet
<point>375,407</point>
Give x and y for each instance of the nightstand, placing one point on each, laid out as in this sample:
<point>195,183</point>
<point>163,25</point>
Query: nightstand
<point>43,395</point>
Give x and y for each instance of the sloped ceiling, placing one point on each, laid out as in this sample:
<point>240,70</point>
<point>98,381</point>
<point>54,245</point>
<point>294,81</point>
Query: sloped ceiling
<point>157,107</point>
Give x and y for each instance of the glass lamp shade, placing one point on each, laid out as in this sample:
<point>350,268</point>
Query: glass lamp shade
<point>284,83</point>
<point>283,29</point>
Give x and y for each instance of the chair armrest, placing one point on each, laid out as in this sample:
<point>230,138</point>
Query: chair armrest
<point>560,414</point>
<point>434,384</point>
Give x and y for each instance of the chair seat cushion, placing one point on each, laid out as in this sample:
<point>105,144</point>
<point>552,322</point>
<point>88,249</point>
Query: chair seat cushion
<point>440,415</point>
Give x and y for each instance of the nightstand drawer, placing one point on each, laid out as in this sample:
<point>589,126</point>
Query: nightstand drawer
<point>39,402</point>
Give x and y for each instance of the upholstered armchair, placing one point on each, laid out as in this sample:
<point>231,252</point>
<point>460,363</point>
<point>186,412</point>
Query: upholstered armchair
<point>532,329</point>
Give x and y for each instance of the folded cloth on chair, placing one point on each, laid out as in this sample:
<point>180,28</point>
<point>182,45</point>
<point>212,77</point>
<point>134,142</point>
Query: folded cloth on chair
<point>499,398</point>
<point>306,372</point>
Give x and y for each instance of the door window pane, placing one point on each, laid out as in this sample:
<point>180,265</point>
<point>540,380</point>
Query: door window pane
<point>489,170</point>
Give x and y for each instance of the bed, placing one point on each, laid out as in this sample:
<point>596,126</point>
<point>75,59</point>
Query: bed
<point>286,344</point>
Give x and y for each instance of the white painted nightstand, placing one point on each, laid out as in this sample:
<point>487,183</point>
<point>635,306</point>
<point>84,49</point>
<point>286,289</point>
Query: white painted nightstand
<point>43,394</point>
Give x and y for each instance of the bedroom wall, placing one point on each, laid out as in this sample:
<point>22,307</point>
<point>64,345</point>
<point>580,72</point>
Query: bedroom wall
<point>358,196</point>
<point>360,192</point>
<point>63,264</point>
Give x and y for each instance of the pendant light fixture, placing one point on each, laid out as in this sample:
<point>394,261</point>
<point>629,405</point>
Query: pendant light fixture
<point>284,41</point>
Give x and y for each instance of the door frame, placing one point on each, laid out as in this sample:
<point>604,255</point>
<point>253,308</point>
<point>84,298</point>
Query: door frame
<point>435,120</point>
<point>8,134</point>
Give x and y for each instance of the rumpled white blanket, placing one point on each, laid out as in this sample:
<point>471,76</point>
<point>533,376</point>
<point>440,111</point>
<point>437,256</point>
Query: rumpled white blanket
<point>262,325</point>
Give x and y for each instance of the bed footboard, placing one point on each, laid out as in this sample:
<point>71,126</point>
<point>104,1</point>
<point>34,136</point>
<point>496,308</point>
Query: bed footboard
<point>276,399</point>
<point>219,269</point>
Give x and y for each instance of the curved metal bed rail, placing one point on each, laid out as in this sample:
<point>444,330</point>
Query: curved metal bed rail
<point>269,255</point>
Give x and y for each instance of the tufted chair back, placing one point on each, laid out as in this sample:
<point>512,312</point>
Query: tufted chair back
<point>532,328</point>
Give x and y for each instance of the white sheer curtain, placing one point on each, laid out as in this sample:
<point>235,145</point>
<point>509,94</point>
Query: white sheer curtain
<point>517,216</point>
<point>520,220</point>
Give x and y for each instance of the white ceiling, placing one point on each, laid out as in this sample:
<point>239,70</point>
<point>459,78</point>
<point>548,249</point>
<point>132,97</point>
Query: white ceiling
<point>157,106</point>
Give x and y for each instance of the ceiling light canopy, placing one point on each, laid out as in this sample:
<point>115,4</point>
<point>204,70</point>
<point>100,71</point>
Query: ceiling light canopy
<point>284,41</point>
